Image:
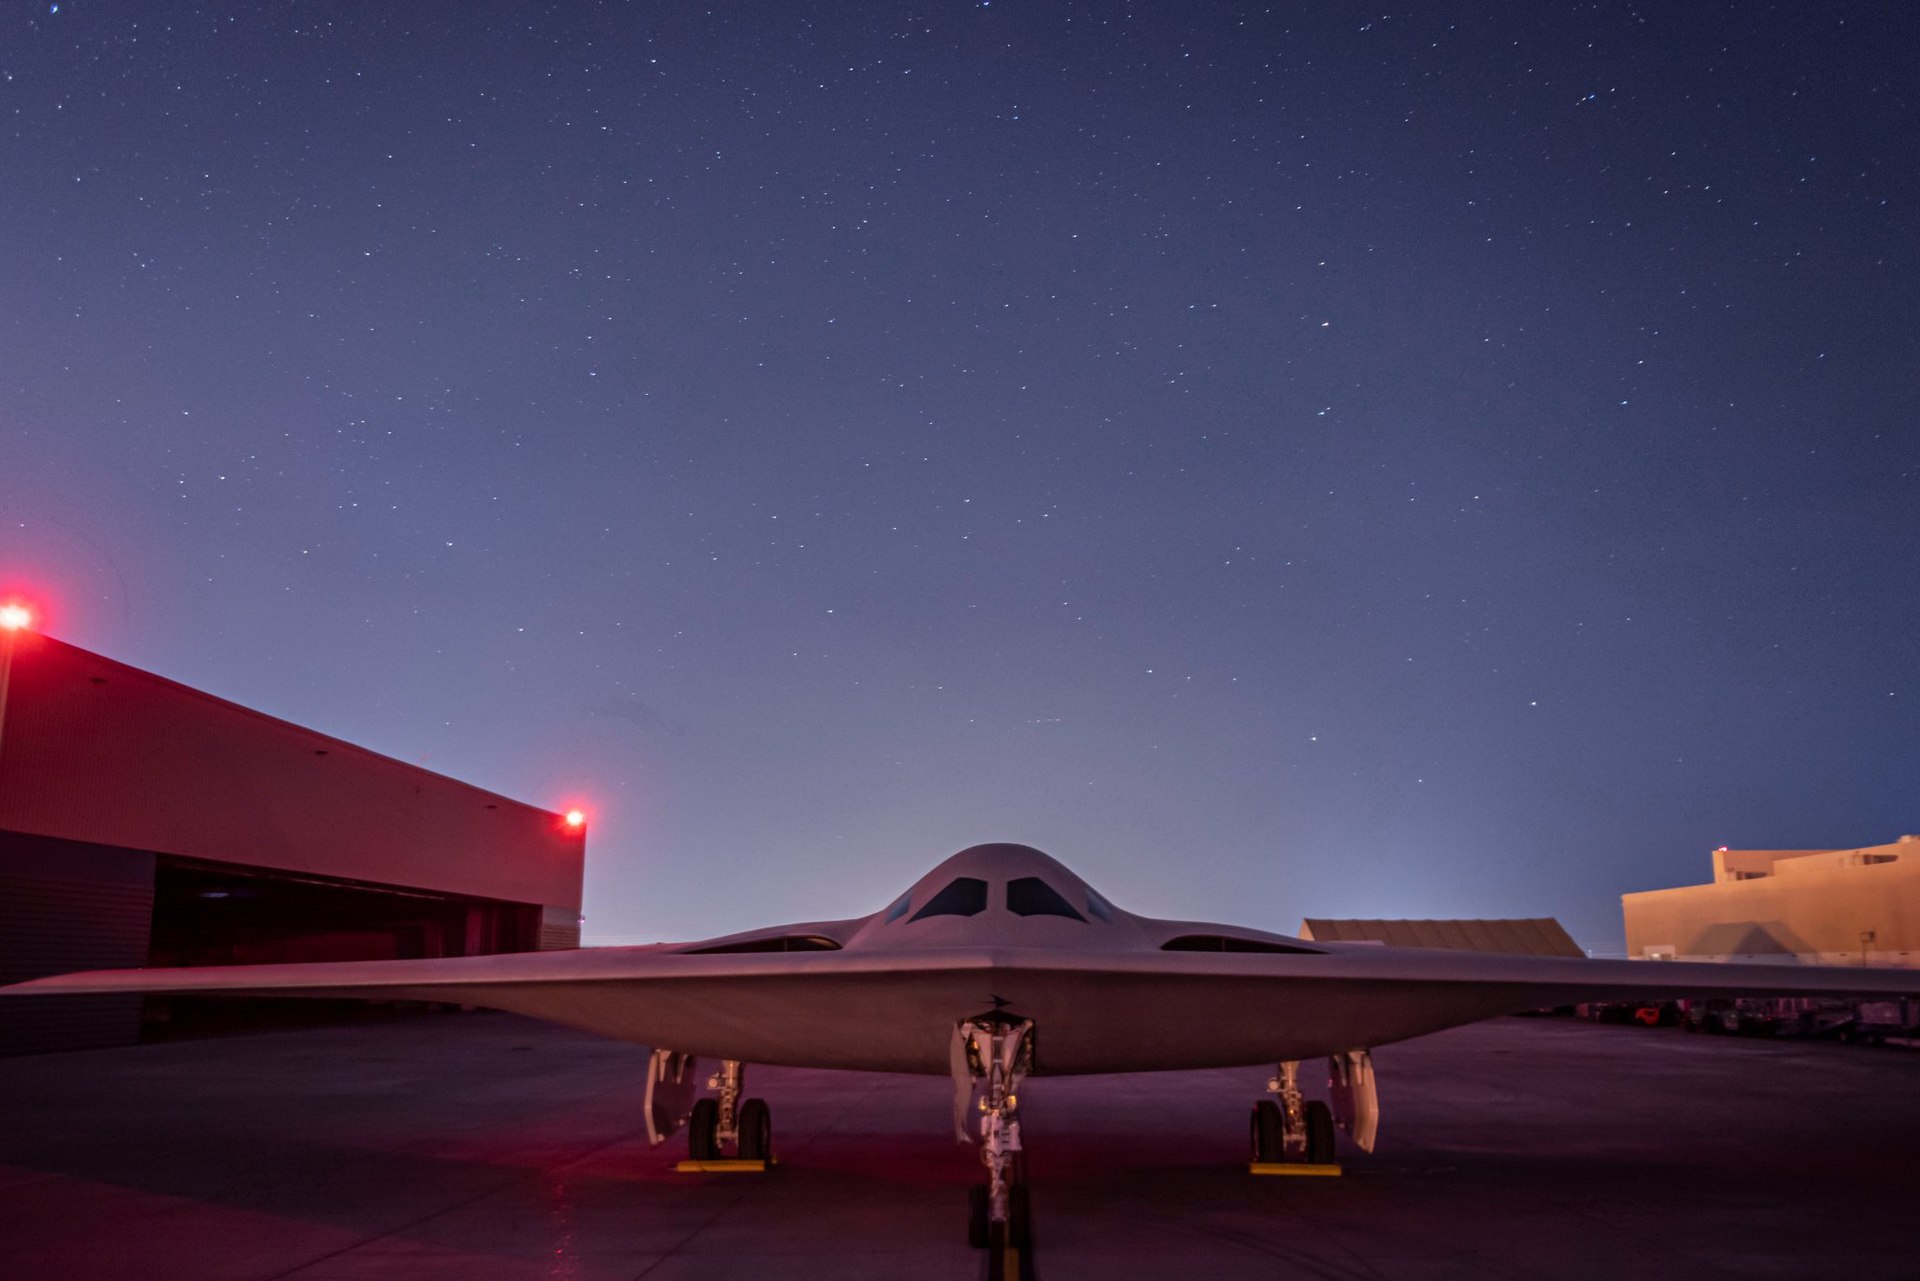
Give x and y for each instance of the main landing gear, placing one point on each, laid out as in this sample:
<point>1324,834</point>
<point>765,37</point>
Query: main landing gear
<point>713,1123</point>
<point>996,1048</point>
<point>1294,1134</point>
<point>1295,1129</point>
<point>721,1121</point>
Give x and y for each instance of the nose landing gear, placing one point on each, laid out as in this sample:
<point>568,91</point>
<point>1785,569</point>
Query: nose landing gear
<point>997,1048</point>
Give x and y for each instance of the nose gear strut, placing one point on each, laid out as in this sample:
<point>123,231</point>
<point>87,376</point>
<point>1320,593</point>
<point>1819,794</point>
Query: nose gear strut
<point>996,1048</point>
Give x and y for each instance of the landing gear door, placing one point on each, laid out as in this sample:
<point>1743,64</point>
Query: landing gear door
<point>672,1081</point>
<point>1356,1107</point>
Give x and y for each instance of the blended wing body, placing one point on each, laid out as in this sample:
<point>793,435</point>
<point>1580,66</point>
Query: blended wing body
<point>1001,926</point>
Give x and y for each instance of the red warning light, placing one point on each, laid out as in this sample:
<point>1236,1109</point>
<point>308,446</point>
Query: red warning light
<point>14,616</point>
<point>576,819</point>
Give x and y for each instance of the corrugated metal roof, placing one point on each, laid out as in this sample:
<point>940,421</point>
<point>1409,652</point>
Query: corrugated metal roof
<point>1527,936</point>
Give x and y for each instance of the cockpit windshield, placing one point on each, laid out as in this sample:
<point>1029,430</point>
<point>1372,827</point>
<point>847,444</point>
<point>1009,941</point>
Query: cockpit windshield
<point>965,896</point>
<point>1031,896</point>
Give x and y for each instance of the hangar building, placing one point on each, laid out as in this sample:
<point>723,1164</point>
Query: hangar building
<point>1832,907</point>
<point>1530,936</point>
<point>146,823</point>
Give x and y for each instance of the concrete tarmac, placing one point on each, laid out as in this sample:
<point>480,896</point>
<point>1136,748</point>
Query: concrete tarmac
<point>486,1147</point>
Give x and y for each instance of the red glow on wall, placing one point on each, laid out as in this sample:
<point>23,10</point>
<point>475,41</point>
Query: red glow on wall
<point>80,763</point>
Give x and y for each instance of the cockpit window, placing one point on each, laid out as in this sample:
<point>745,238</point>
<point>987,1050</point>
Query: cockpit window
<point>899,909</point>
<point>1031,896</point>
<point>966,896</point>
<point>1099,906</point>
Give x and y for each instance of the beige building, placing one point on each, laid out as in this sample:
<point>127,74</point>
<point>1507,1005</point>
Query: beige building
<point>1537,936</point>
<point>1833,907</point>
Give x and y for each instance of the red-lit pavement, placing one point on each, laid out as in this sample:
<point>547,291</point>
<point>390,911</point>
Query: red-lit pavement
<point>484,1146</point>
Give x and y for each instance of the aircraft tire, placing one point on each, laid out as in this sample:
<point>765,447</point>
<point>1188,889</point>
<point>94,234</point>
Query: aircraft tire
<point>977,1233</point>
<point>1266,1131</point>
<point>1320,1150</point>
<point>756,1131</point>
<point>997,1252</point>
<point>702,1130</point>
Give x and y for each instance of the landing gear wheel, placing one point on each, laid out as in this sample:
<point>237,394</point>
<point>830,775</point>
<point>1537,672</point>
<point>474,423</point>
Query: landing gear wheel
<point>1266,1131</point>
<point>977,1233</point>
<point>756,1131</point>
<point>1319,1119</point>
<point>703,1143</point>
<point>1017,1230</point>
<point>997,1253</point>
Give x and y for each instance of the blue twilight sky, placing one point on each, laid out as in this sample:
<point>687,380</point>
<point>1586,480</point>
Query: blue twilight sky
<point>1294,460</point>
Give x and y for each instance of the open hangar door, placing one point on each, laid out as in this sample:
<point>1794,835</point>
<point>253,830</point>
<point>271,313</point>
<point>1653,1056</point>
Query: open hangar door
<point>207,913</point>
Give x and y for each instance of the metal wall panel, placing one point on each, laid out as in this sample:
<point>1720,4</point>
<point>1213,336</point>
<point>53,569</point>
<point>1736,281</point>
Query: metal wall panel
<point>64,906</point>
<point>559,929</point>
<point>97,751</point>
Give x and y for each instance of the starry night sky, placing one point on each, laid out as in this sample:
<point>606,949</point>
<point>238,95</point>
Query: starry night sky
<point>1282,462</point>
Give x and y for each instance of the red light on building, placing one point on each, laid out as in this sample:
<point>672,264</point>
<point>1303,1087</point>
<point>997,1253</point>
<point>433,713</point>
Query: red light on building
<point>14,616</point>
<point>576,819</point>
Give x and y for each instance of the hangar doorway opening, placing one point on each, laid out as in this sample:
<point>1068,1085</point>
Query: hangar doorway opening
<point>207,913</point>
